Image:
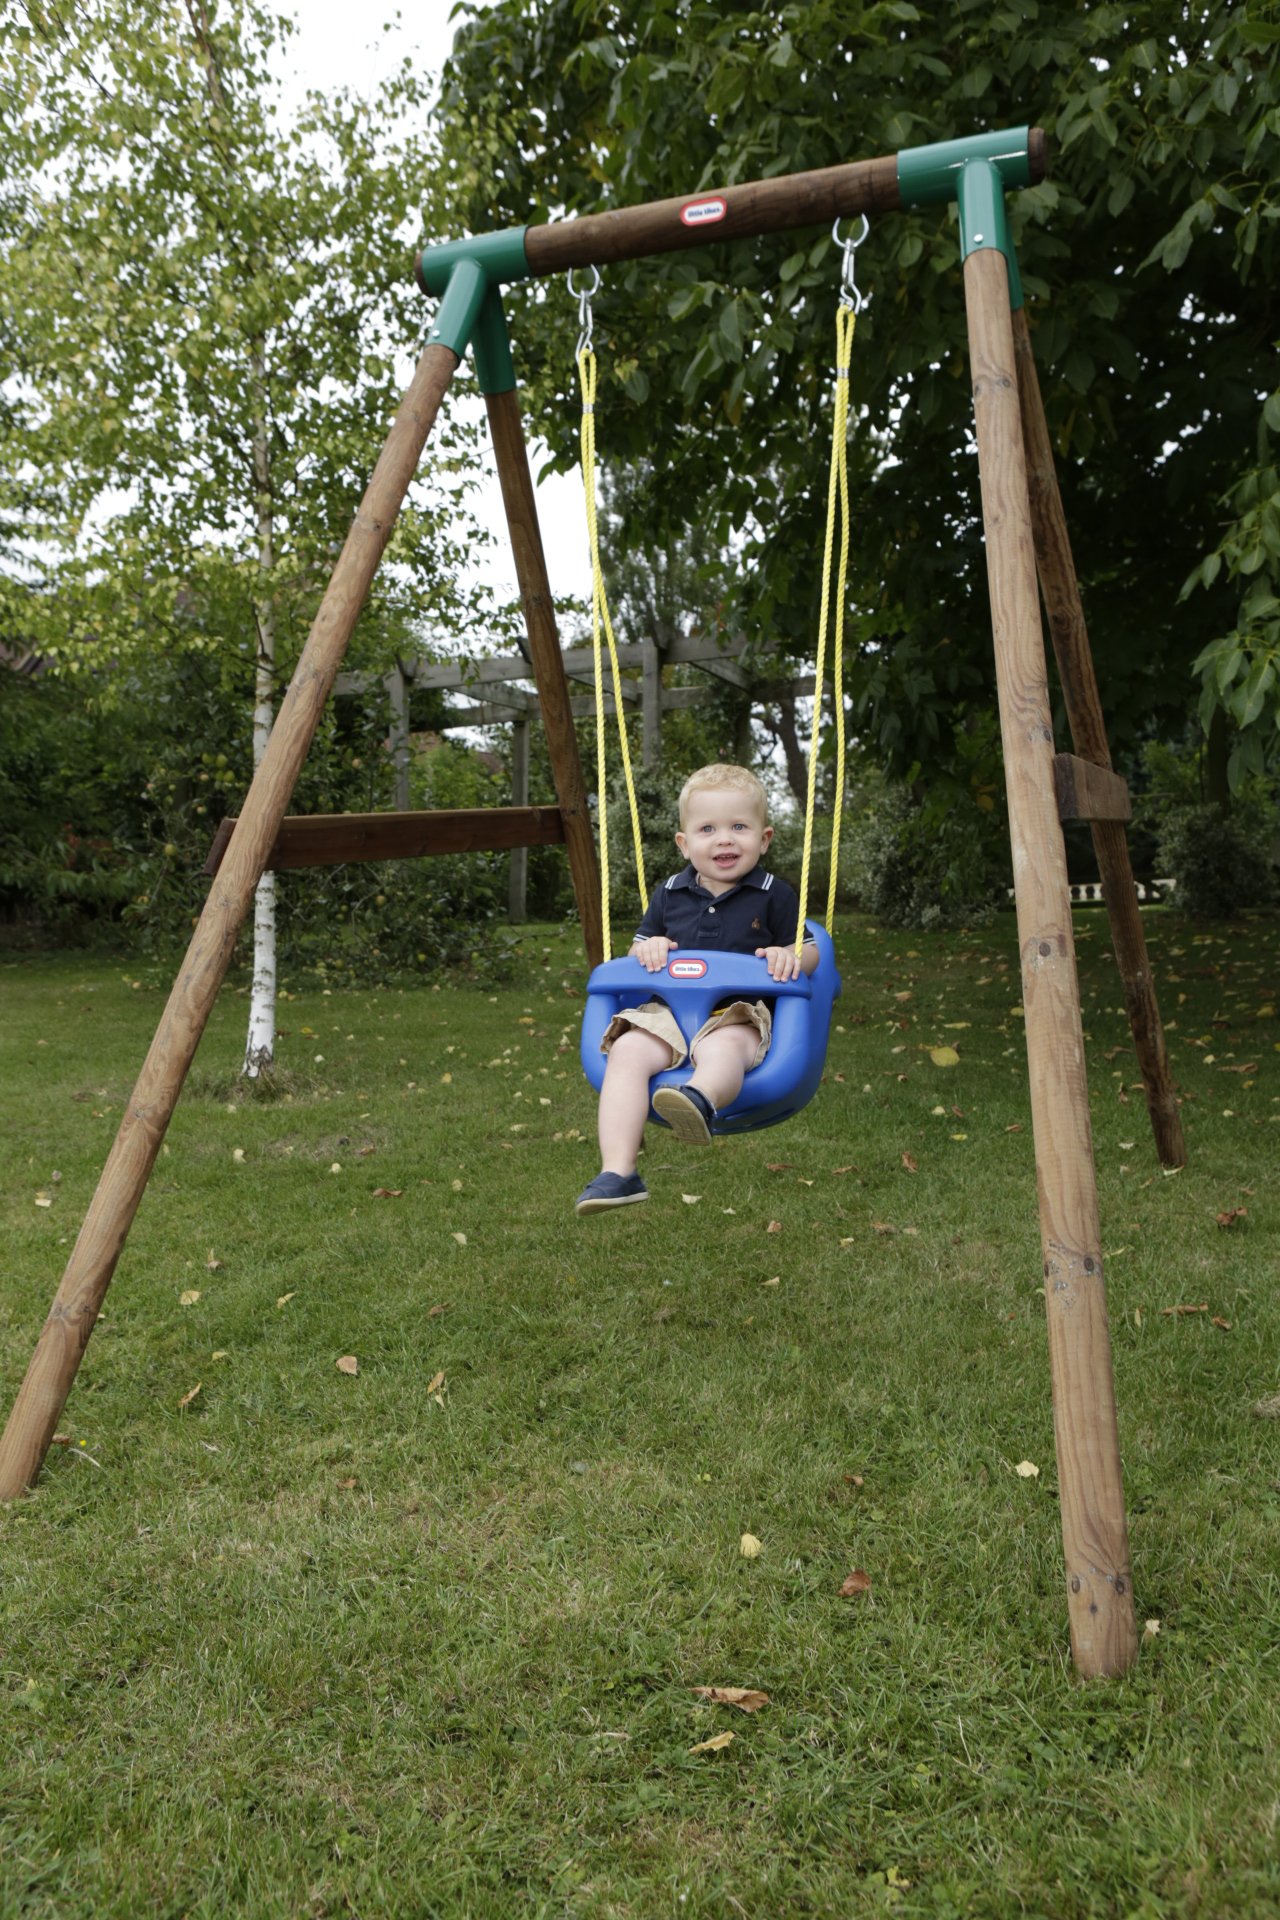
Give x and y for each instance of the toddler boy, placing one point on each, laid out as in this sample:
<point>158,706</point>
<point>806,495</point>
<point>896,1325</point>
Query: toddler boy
<point>723,898</point>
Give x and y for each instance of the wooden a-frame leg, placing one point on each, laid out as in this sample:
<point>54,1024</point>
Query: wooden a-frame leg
<point>53,1367</point>
<point>1091,1493</point>
<point>1061,590</point>
<point>548,665</point>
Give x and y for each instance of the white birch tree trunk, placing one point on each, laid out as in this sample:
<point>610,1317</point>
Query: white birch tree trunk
<point>260,1046</point>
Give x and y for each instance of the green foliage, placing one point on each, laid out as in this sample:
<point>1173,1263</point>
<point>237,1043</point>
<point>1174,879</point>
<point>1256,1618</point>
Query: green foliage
<point>1218,867</point>
<point>926,865</point>
<point>1148,257</point>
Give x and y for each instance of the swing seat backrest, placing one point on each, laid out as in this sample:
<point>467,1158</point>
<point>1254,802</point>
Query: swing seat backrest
<point>697,981</point>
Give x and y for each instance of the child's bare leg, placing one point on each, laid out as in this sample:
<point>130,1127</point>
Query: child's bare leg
<point>634,1058</point>
<point>721,1062</point>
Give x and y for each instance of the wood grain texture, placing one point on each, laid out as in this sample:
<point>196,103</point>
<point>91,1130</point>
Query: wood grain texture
<point>754,207</point>
<point>1087,792</point>
<point>58,1353</point>
<point>332,839</point>
<point>1061,590</point>
<point>548,664</point>
<point>1094,1531</point>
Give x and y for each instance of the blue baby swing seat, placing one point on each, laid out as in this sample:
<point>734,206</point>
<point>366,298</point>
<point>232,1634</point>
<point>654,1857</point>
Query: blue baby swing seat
<point>695,982</point>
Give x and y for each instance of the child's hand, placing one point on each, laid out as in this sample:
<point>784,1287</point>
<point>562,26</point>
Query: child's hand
<point>783,962</point>
<point>652,953</point>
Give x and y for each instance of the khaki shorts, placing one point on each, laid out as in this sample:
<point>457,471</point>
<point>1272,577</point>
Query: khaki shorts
<point>656,1017</point>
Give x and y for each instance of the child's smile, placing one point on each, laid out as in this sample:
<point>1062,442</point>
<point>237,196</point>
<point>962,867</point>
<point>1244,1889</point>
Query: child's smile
<point>722,838</point>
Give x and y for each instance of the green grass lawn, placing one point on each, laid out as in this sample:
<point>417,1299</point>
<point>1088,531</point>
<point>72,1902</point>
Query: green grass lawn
<point>316,1643</point>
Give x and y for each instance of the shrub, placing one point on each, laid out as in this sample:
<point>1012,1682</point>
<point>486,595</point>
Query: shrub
<point>1216,863</point>
<point>930,866</point>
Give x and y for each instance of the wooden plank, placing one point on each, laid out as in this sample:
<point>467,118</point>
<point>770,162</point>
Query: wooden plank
<point>1089,792</point>
<point>1095,1535</point>
<point>333,839</point>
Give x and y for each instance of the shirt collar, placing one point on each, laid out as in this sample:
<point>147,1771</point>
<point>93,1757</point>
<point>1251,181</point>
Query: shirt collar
<point>689,878</point>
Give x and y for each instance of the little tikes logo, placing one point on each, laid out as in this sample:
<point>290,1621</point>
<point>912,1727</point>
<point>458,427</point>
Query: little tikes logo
<point>686,969</point>
<point>703,213</point>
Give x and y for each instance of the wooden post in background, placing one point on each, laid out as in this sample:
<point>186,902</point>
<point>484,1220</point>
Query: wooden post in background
<point>651,715</point>
<point>1091,1493</point>
<point>1061,590</point>
<point>518,874</point>
<point>61,1346</point>
<point>398,692</point>
<point>548,666</point>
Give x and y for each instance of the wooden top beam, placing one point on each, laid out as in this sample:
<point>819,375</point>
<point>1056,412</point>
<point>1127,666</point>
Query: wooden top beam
<point>330,839</point>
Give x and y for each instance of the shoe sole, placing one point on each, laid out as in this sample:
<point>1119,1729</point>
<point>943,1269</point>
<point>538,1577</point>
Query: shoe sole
<point>603,1206</point>
<point>682,1117</point>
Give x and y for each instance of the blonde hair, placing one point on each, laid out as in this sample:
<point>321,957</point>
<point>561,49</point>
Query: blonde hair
<point>733,779</point>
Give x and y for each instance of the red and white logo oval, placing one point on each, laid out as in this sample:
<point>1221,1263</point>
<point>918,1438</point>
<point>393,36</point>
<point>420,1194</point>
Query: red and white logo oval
<point>686,969</point>
<point>703,213</point>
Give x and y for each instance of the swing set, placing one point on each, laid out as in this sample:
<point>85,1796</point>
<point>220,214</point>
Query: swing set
<point>1026,537</point>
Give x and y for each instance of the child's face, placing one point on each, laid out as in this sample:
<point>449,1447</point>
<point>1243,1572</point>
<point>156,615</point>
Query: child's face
<point>723,836</point>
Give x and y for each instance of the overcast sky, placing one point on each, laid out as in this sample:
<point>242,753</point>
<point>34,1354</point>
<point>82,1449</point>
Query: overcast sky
<point>338,43</point>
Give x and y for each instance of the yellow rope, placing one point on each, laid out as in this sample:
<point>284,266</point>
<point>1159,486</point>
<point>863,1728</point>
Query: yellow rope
<point>600,617</point>
<point>837,496</point>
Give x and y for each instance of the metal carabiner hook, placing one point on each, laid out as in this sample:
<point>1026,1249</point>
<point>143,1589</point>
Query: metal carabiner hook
<point>584,297</point>
<point>850,293</point>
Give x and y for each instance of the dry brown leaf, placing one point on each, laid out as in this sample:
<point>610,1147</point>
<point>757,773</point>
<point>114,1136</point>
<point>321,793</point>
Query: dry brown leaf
<point>774,1226</point>
<point>849,1169</point>
<point>1232,1214</point>
<point>388,1193</point>
<point>857,1582</point>
<point>854,1479</point>
<point>437,1381</point>
<point>347,1364</point>
<point>882,1226</point>
<point>1218,1321</point>
<point>778,1166</point>
<point>747,1699</point>
<point>716,1744</point>
<point>775,1282</point>
<point>60,1440</point>
<point>1202,1308</point>
<point>213,1263</point>
<point>1015,1128</point>
<point>347,1485</point>
<point>910,1162</point>
<point>433,1313</point>
<point>187,1398</point>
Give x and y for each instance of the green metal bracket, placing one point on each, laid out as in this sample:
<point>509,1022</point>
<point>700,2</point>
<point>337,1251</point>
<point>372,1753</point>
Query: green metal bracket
<point>468,275</point>
<point>976,173</point>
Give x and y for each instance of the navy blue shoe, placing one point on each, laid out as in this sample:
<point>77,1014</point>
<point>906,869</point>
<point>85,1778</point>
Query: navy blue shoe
<point>687,1112</point>
<point>611,1190</point>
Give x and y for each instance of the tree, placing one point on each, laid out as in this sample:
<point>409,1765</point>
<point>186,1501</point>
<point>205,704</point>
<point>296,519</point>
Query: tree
<point>1148,258</point>
<point>208,310</point>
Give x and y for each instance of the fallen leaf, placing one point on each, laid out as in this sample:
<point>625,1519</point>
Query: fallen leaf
<point>1202,1308</point>
<point>347,1364</point>
<point>1015,1128</point>
<point>848,1169</point>
<point>44,1200</point>
<point>882,1226</point>
<point>778,1166</point>
<point>1268,1409</point>
<point>691,1199</point>
<point>188,1297</point>
<point>1150,1629</point>
<point>749,1547</point>
<point>746,1699</point>
<point>854,1479</point>
<point>1218,1321</point>
<point>461,1239</point>
<point>237,1154</point>
<point>223,1353</point>
<point>911,1164</point>
<point>857,1582</point>
<point>347,1485</point>
<point>433,1313</point>
<point>60,1440</point>
<point>388,1193</point>
<point>1027,1470</point>
<point>284,1300</point>
<point>213,1264</point>
<point>944,1056</point>
<point>187,1398</point>
<point>434,1384</point>
<point>716,1744</point>
<point>774,1226</point>
<point>1229,1218</point>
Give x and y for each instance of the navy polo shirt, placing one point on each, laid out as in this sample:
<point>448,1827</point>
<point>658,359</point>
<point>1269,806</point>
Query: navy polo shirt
<point>761,911</point>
